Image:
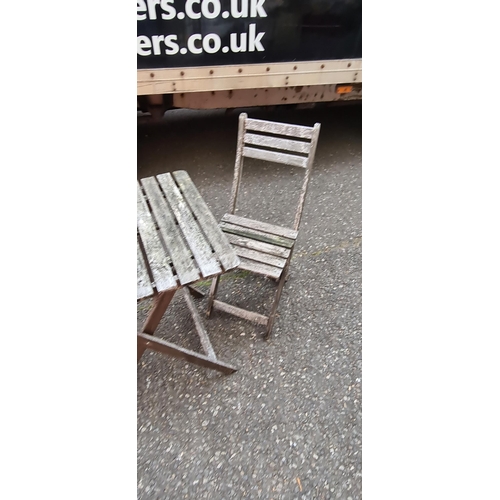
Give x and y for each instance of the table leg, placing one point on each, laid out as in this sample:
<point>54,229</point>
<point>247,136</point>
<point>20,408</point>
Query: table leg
<point>162,301</point>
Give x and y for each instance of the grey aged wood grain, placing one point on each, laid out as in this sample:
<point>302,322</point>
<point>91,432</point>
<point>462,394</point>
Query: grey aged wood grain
<point>310,160</point>
<point>257,235</point>
<point>260,226</point>
<point>258,244</point>
<point>264,258</point>
<point>144,288</point>
<point>260,268</point>
<point>274,156</point>
<point>180,253</point>
<point>241,313</point>
<point>277,143</point>
<point>175,227</point>
<point>218,241</point>
<point>158,260</point>
<point>279,128</point>
<point>240,241</point>
<point>196,240</point>
<point>238,163</point>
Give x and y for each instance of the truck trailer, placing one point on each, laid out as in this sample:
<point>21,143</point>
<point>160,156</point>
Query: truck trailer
<point>208,54</point>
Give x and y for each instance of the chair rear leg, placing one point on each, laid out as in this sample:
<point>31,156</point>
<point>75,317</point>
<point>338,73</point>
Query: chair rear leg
<point>272,315</point>
<point>211,295</point>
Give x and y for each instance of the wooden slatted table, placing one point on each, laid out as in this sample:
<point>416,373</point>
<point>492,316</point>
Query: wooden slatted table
<point>178,243</point>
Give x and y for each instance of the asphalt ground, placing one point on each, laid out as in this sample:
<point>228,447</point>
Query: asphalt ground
<point>287,424</point>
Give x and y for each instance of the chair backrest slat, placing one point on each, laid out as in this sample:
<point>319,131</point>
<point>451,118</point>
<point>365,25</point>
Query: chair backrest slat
<point>293,145</point>
<point>278,128</point>
<point>275,156</point>
<point>278,143</point>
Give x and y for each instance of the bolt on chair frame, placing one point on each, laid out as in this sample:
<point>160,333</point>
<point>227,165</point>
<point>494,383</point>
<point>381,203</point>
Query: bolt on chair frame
<point>263,248</point>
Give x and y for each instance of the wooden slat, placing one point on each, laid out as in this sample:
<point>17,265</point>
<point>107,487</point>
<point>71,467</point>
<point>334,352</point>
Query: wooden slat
<point>261,154</point>
<point>264,258</point>
<point>277,143</point>
<point>181,256</point>
<point>256,235</point>
<point>144,288</point>
<point>261,226</point>
<point>241,313</point>
<point>260,246</point>
<point>216,237</point>
<point>279,128</point>
<point>164,347</point>
<point>156,256</point>
<point>259,268</point>
<point>195,238</point>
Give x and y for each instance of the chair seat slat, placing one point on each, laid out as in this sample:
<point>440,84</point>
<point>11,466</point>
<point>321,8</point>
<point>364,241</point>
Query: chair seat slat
<point>260,246</point>
<point>257,235</point>
<point>260,268</point>
<point>261,226</point>
<point>264,258</point>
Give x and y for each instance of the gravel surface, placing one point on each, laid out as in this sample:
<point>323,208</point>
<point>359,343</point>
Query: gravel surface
<point>288,424</point>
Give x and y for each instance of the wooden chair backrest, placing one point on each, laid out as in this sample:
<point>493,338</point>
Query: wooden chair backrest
<point>293,145</point>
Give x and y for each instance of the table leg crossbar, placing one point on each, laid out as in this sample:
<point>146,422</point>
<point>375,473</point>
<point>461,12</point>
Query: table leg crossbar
<point>146,339</point>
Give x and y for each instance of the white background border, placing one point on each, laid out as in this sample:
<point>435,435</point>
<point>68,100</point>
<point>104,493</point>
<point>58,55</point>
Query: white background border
<point>430,253</point>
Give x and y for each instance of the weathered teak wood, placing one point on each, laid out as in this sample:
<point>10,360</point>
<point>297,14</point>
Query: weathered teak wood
<point>144,288</point>
<point>278,128</point>
<point>257,235</point>
<point>196,240</point>
<point>179,242</point>
<point>176,351</point>
<point>261,226</point>
<point>264,258</point>
<point>162,301</point>
<point>158,260</point>
<point>262,154</point>
<point>205,341</point>
<point>260,268</point>
<point>264,248</point>
<point>241,313</point>
<point>241,241</point>
<point>207,221</point>
<point>277,143</point>
<point>184,266</point>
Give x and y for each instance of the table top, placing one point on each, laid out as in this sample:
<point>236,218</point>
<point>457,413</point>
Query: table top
<point>178,239</point>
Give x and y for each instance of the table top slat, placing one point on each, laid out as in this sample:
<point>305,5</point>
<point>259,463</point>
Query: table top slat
<point>182,258</point>
<point>158,260</point>
<point>195,237</point>
<point>207,221</point>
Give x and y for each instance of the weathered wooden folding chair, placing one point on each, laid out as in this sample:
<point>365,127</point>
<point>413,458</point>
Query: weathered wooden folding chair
<point>263,248</point>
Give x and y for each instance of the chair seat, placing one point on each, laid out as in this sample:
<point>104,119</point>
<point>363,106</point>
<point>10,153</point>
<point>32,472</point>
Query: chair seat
<point>262,248</point>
